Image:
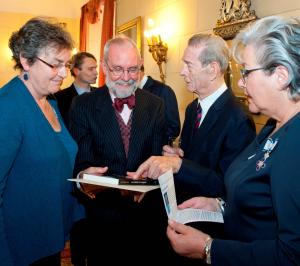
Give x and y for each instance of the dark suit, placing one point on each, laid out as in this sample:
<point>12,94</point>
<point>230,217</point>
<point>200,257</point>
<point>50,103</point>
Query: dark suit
<point>208,151</point>
<point>119,225</point>
<point>64,99</point>
<point>263,205</point>
<point>171,107</point>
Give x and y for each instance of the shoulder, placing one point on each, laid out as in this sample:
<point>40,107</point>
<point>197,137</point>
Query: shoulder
<point>146,95</point>
<point>92,97</point>
<point>65,92</point>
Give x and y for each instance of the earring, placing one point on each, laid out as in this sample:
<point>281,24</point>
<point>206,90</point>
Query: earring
<point>25,76</point>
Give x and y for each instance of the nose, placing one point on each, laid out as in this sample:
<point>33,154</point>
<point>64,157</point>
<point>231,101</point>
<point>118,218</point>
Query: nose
<point>125,75</point>
<point>63,72</point>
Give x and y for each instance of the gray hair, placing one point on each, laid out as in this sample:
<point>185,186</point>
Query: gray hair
<point>276,41</point>
<point>37,34</point>
<point>216,49</point>
<point>120,40</point>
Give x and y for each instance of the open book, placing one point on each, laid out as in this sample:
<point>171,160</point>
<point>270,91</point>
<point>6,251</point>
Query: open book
<point>166,182</point>
<point>119,180</point>
<point>143,185</point>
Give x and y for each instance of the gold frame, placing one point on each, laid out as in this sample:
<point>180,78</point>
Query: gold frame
<point>132,29</point>
<point>234,16</point>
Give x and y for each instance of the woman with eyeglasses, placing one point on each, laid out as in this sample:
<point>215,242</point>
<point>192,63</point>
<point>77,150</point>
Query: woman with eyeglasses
<point>37,153</point>
<point>262,208</point>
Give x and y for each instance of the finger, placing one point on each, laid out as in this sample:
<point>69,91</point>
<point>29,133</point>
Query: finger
<point>179,228</point>
<point>142,171</point>
<point>190,203</point>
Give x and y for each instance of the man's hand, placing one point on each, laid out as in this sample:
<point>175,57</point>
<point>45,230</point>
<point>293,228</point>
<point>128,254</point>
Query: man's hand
<point>208,204</point>
<point>172,151</point>
<point>88,189</point>
<point>156,166</point>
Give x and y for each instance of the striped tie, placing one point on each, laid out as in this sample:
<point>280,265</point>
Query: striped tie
<point>198,116</point>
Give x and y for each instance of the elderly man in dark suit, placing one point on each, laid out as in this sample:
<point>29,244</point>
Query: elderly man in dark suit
<point>84,71</point>
<point>118,127</point>
<point>216,128</point>
<point>166,93</point>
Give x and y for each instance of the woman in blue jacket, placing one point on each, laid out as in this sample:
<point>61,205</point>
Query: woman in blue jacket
<point>36,151</point>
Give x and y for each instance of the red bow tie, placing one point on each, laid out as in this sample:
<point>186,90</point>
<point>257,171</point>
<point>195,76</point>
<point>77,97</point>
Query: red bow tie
<point>119,103</point>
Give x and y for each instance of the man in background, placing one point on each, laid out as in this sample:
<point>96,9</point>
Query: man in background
<point>166,93</point>
<point>84,71</point>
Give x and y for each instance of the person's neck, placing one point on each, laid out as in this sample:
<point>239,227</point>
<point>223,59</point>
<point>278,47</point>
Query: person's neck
<point>211,88</point>
<point>82,85</point>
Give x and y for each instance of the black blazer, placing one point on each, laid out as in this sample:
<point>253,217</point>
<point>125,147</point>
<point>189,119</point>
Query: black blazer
<point>64,99</point>
<point>94,126</point>
<point>225,131</point>
<point>171,107</point>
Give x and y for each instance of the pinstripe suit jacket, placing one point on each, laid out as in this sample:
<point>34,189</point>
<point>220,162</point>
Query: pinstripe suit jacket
<point>94,126</point>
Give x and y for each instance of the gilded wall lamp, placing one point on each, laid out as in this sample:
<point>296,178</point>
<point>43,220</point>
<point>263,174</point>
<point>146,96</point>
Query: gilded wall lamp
<point>157,48</point>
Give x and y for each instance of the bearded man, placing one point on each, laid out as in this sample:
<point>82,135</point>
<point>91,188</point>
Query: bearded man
<point>117,128</point>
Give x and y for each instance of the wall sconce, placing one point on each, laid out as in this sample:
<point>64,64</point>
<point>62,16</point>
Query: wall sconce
<point>158,49</point>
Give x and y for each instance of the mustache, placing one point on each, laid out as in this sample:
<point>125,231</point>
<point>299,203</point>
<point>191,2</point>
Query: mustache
<point>122,82</point>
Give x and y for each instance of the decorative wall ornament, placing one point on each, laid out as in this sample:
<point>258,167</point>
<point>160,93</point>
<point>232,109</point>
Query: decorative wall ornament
<point>234,16</point>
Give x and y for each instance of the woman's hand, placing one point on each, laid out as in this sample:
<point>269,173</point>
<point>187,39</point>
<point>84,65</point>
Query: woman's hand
<point>187,241</point>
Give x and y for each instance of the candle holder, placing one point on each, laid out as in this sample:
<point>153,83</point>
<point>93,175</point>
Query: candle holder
<point>159,50</point>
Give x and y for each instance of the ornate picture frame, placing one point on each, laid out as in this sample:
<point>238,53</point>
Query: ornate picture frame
<point>133,29</point>
<point>234,16</point>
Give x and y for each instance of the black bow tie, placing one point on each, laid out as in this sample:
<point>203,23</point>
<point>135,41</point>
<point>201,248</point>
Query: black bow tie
<point>119,103</point>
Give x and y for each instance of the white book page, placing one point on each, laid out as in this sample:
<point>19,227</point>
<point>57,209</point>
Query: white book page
<point>166,182</point>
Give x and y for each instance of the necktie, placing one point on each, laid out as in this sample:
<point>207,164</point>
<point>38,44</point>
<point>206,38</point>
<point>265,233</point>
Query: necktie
<point>198,116</point>
<point>119,103</point>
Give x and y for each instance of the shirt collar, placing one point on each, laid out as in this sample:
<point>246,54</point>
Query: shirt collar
<point>207,102</point>
<point>143,81</point>
<point>81,90</point>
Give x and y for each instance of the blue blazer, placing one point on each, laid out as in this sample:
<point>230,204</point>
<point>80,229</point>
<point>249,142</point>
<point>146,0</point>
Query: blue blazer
<point>36,206</point>
<point>262,214</point>
<point>171,107</point>
<point>208,151</point>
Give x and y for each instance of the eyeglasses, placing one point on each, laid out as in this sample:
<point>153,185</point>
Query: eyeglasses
<point>119,71</point>
<point>57,67</point>
<point>245,72</point>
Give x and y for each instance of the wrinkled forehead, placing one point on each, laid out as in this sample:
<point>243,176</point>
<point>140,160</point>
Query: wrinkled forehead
<point>123,55</point>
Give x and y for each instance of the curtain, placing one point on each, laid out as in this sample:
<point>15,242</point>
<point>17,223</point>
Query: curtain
<point>107,32</point>
<point>89,15</point>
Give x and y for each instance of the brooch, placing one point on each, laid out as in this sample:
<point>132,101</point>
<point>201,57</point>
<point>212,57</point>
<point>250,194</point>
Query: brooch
<point>268,148</point>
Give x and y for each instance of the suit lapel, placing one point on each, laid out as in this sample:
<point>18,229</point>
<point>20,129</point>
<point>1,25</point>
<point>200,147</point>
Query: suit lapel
<point>140,116</point>
<point>212,115</point>
<point>107,118</point>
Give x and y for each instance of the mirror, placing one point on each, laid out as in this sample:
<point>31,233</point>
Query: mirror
<point>133,30</point>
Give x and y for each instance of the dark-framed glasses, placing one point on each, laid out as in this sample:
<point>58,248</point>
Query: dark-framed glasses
<point>245,72</point>
<point>119,71</point>
<point>56,67</point>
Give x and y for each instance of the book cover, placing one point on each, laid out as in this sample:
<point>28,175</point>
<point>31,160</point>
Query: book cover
<point>119,180</point>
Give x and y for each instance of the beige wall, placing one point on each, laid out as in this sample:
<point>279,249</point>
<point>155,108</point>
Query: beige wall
<point>184,18</point>
<point>10,22</point>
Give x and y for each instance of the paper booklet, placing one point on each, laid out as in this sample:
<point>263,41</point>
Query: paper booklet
<point>166,182</point>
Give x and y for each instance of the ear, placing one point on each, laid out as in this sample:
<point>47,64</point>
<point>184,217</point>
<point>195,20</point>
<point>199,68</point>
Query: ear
<point>213,69</point>
<point>282,76</point>
<point>24,63</point>
<point>75,70</point>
